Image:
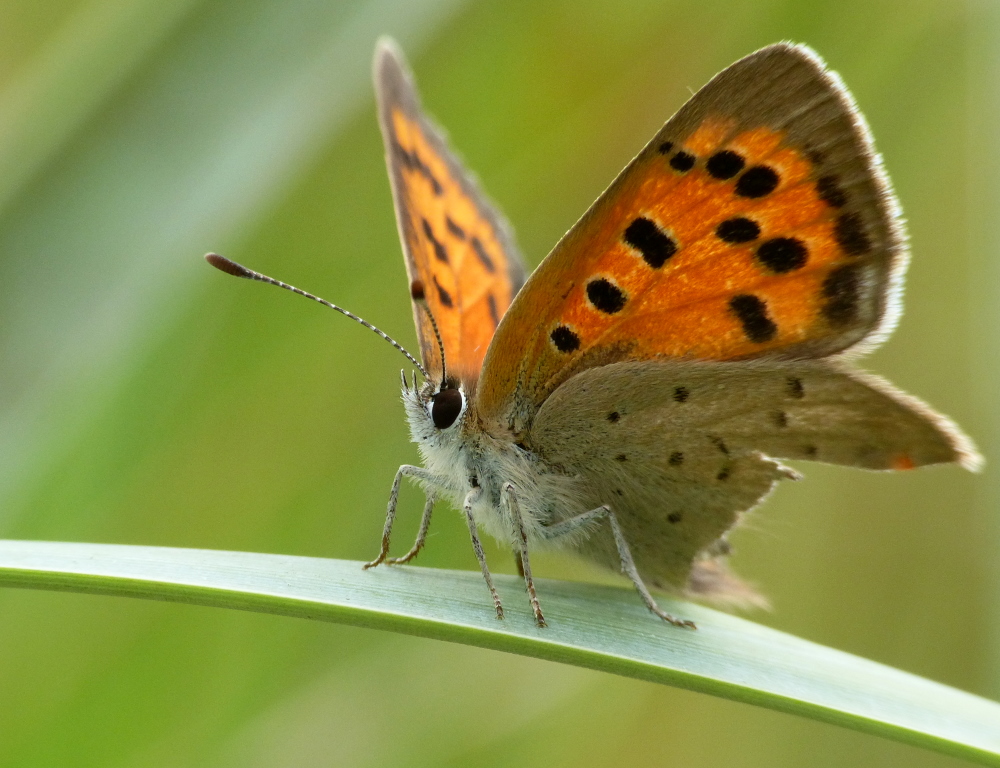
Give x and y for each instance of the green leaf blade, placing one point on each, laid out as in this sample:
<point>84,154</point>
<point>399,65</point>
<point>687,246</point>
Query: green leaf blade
<point>601,628</point>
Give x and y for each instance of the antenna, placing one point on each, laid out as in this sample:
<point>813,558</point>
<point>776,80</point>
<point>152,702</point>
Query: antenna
<point>238,270</point>
<point>418,295</point>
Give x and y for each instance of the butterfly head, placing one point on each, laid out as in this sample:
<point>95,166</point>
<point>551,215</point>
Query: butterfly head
<point>443,397</point>
<point>435,412</point>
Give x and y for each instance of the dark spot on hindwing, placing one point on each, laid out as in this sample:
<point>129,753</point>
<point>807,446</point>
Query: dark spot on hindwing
<point>725,164</point>
<point>682,161</point>
<point>606,296</point>
<point>655,245</point>
<point>737,230</point>
<point>841,289</point>
<point>758,181</point>
<point>482,255</point>
<point>676,459</point>
<point>439,250</point>
<point>850,234</point>
<point>810,450</point>
<point>681,394</point>
<point>621,457</point>
<point>564,339</point>
<point>780,419</point>
<point>723,474</point>
<point>614,416</point>
<point>829,191</point>
<point>751,311</point>
<point>675,517</point>
<point>795,388</point>
<point>782,254</point>
<point>443,295</point>
<point>719,443</point>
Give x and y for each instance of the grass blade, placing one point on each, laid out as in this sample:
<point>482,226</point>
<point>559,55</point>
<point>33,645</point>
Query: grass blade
<point>591,626</point>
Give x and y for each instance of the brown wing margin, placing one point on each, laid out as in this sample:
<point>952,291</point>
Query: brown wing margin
<point>454,240</point>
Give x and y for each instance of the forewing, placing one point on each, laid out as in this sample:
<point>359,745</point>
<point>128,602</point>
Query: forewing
<point>680,449</point>
<point>756,223</point>
<point>460,254</point>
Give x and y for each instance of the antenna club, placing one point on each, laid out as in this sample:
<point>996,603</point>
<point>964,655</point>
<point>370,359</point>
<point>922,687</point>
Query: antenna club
<point>228,266</point>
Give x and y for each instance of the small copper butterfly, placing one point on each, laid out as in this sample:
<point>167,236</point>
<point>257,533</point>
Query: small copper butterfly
<point>631,399</point>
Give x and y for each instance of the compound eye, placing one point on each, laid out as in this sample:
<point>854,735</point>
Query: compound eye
<point>446,407</point>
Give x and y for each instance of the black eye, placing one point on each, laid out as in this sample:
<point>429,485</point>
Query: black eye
<point>447,405</point>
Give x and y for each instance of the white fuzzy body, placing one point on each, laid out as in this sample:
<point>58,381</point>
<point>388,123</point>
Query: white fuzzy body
<point>463,457</point>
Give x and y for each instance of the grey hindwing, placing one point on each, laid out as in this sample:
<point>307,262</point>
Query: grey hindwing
<point>679,449</point>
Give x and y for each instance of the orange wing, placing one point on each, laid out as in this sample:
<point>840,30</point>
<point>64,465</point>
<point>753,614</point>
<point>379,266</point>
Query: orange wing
<point>456,244</point>
<point>756,223</point>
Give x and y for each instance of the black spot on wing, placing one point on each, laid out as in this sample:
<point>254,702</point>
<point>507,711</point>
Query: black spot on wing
<point>850,234</point>
<point>614,416</point>
<point>725,164</point>
<point>751,311</point>
<point>443,295</point>
<point>829,191</point>
<point>674,518</point>
<point>682,161</point>
<point>665,147</point>
<point>681,394</point>
<point>795,388</point>
<point>439,250</point>
<point>782,254</point>
<point>737,230</point>
<point>565,339</point>
<point>758,181</point>
<point>841,292</point>
<point>676,459</point>
<point>494,314</point>
<point>482,255</point>
<point>655,245</point>
<point>606,296</point>
<point>455,230</point>
<point>412,161</point>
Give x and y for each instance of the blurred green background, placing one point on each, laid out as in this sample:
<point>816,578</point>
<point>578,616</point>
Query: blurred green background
<point>147,399</point>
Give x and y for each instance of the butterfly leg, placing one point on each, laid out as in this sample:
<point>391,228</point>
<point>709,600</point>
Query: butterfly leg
<point>515,512</point>
<point>624,555</point>
<point>425,523</point>
<point>477,547</point>
<point>407,470</point>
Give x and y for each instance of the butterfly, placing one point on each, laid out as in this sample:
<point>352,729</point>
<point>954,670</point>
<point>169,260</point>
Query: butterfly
<point>633,397</point>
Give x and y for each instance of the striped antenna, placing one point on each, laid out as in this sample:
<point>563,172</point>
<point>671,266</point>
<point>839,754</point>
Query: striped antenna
<point>238,270</point>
